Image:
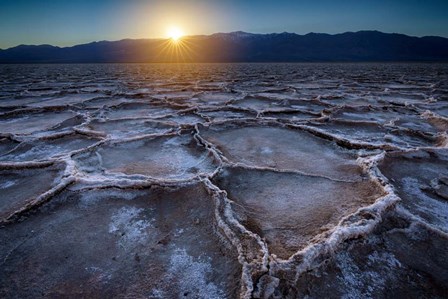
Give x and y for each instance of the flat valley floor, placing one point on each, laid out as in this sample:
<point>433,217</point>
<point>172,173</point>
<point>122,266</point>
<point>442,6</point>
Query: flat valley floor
<point>224,181</point>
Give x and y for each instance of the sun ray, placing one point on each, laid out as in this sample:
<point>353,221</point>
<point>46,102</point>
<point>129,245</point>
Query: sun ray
<point>176,48</point>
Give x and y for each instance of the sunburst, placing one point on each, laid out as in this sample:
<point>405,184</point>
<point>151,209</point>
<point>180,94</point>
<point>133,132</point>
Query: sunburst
<point>176,48</point>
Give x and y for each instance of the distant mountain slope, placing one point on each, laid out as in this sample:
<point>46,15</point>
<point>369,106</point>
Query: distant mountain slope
<point>245,47</point>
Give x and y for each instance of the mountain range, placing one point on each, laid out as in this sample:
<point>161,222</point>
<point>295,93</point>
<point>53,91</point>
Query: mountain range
<point>243,47</point>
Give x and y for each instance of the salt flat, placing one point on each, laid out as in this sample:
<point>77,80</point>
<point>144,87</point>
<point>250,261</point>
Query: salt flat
<point>224,180</point>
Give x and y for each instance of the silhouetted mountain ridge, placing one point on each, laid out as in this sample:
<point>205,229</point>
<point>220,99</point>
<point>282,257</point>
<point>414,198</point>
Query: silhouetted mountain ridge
<point>242,46</point>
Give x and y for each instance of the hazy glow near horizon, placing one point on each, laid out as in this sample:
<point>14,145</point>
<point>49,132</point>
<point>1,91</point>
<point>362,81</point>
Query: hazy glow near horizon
<point>66,23</point>
<point>175,33</point>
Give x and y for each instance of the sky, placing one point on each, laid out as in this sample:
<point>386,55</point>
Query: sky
<point>70,22</point>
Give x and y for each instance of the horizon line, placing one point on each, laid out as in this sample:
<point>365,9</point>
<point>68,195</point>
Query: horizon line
<point>208,35</point>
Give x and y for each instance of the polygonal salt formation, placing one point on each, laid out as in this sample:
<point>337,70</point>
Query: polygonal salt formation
<point>283,149</point>
<point>47,148</point>
<point>23,185</point>
<point>135,110</point>
<point>369,134</point>
<point>128,128</point>
<point>155,243</point>
<point>167,157</point>
<point>29,122</point>
<point>290,210</point>
<point>387,263</point>
<point>421,181</point>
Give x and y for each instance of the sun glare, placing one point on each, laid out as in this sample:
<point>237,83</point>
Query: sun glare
<point>176,48</point>
<point>175,33</point>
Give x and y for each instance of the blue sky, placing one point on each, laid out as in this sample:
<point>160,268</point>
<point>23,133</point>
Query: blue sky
<point>72,22</point>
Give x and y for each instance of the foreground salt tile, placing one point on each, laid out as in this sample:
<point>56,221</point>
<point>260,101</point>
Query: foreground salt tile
<point>21,185</point>
<point>103,102</point>
<point>64,100</point>
<point>291,116</point>
<point>30,122</point>
<point>257,104</point>
<point>47,148</point>
<point>400,117</point>
<point>400,259</point>
<point>167,157</point>
<point>421,181</point>
<point>135,110</point>
<point>375,135</point>
<point>283,149</point>
<point>290,210</point>
<point>147,243</point>
<point>128,128</point>
<point>222,114</point>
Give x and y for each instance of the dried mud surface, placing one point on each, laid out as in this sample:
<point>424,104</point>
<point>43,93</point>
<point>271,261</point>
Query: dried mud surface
<point>224,181</point>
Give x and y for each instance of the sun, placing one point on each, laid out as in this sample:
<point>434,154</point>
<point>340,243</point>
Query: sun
<point>177,47</point>
<point>175,33</point>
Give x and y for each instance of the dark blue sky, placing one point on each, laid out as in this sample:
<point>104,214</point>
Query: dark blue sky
<point>66,22</point>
